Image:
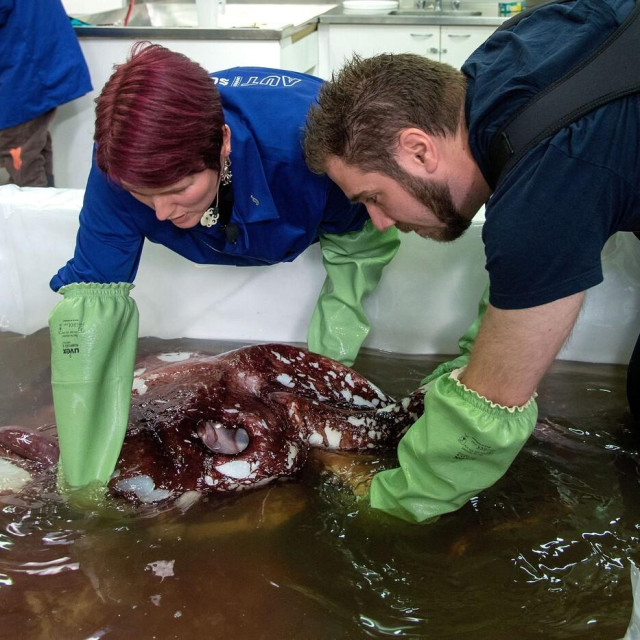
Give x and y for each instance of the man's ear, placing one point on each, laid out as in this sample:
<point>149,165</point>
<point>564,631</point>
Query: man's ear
<point>417,149</point>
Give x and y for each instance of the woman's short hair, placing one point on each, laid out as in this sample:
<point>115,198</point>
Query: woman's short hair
<point>363,109</point>
<point>159,119</point>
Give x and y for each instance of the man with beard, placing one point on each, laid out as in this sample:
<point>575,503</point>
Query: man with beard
<point>411,138</point>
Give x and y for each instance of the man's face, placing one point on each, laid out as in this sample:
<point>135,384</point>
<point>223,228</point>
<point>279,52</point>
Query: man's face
<point>415,204</point>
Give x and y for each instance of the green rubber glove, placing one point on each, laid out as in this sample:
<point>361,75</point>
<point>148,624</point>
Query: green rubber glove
<point>465,343</point>
<point>94,334</point>
<point>354,263</point>
<point>461,445</point>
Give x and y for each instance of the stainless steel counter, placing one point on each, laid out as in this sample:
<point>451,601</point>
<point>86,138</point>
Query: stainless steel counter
<point>195,33</point>
<point>178,20</point>
<point>339,16</point>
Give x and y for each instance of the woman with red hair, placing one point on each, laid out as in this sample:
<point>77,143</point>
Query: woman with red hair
<point>212,167</point>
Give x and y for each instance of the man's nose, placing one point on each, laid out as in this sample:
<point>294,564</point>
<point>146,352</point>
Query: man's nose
<point>380,221</point>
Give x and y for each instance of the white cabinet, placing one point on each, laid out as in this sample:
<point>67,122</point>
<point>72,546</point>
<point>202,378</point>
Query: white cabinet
<point>458,43</point>
<point>452,45</point>
<point>342,41</point>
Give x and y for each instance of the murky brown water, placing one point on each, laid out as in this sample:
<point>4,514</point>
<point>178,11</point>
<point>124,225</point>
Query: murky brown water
<point>542,554</point>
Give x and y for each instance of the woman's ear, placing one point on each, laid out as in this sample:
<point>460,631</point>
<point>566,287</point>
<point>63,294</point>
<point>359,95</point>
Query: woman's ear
<point>417,148</point>
<point>226,140</point>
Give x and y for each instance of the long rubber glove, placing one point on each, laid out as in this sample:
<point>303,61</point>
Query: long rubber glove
<point>461,445</point>
<point>465,343</point>
<point>354,263</point>
<point>94,334</point>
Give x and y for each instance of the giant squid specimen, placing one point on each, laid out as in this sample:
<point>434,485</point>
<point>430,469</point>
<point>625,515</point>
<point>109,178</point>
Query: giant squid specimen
<point>239,420</point>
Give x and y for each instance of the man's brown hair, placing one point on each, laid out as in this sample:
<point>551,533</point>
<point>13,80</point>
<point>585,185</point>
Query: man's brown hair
<point>362,110</point>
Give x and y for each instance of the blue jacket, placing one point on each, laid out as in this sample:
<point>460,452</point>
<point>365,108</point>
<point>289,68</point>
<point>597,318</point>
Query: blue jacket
<point>279,209</point>
<point>41,64</point>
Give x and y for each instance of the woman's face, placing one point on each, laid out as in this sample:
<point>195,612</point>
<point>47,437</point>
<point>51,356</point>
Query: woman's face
<point>183,202</point>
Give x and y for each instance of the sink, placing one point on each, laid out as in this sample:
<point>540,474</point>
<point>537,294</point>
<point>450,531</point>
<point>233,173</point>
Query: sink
<point>430,13</point>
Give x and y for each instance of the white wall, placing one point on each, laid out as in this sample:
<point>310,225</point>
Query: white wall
<point>427,298</point>
<point>83,7</point>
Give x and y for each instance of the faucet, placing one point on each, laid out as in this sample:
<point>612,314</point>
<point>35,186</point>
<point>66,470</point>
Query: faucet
<point>421,4</point>
<point>437,5</point>
<point>455,5</point>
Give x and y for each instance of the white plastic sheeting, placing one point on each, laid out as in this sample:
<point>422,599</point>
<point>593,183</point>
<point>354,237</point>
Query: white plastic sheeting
<point>427,298</point>
<point>633,631</point>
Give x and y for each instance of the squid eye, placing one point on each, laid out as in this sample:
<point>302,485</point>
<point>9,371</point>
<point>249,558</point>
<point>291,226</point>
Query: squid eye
<point>223,439</point>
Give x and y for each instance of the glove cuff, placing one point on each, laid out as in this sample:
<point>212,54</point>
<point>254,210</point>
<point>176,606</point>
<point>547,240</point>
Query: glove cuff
<point>455,375</point>
<point>81,289</point>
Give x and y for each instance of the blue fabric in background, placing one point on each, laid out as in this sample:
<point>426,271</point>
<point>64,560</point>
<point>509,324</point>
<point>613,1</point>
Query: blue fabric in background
<point>41,63</point>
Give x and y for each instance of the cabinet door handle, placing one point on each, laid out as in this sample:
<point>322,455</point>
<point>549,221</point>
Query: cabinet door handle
<point>434,50</point>
<point>459,35</point>
<point>422,36</point>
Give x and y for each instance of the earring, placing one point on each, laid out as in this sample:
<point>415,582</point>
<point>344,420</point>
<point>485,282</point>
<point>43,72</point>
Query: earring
<point>211,216</point>
<point>225,172</point>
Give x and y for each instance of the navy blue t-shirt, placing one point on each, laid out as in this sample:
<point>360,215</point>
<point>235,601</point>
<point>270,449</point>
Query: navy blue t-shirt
<point>550,216</point>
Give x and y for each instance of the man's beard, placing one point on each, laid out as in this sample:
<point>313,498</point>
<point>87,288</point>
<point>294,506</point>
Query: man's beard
<point>436,197</point>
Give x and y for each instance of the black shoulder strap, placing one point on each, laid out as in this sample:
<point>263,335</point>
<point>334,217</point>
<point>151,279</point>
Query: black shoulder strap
<point>610,72</point>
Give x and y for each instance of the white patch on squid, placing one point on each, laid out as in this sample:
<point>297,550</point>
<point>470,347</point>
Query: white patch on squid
<point>12,477</point>
<point>346,394</point>
<point>285,380</point>
<point>208,480</point>
<point>291,456</point>
<point>359,401</point>
<point>332,373</point>
<point>175,356</point>
<point>144,488</point>
<point>139,386</point>
<point>315,439</point>
<point>231,411</point>
<point>333,437</point>
<point>315,365</point>
<point>252,384</point>
<point>280,357</point>
<point>238,469</point>
<point>374,435</point>
<point>349,380</point>
<point>357,422</point>
<point>187,500</point>
<point>313,388</point>
<point>390,408</point>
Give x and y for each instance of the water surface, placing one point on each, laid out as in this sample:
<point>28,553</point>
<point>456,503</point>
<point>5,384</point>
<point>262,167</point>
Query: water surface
<point>542,554</point>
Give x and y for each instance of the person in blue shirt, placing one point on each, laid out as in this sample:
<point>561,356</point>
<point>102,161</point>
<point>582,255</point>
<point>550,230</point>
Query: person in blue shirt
<point>420,162</point>
<point>212,168</point>
<point>41,68</point>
